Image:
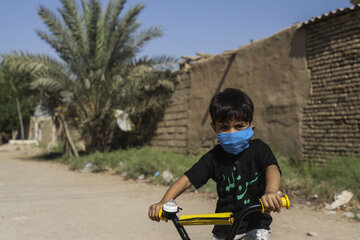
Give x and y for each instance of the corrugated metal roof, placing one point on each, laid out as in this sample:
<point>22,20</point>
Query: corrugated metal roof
<point>337,12</point>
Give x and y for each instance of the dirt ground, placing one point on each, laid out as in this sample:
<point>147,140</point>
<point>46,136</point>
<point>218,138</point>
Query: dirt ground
<point>44,200</point>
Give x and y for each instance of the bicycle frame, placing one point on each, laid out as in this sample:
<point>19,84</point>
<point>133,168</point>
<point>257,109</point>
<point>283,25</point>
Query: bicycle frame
<point>168,212</point>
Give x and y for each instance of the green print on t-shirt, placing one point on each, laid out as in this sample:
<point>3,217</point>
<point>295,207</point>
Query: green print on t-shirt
<point>232,182</point>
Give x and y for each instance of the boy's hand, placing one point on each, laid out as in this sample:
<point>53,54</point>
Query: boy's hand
<point>154,211</point>
<point>178,187</point>
<point>272,202</point>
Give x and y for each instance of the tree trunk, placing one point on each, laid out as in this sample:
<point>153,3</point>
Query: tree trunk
<point>18,108</point>
<point>20,118</point>
<point>72,145</point>
<point>68,140</point>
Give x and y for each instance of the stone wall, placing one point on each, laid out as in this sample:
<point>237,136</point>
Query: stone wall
<point>331,119</point>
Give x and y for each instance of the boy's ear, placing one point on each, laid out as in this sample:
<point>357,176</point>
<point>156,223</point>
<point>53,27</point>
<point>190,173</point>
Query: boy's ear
<point>253,127</point>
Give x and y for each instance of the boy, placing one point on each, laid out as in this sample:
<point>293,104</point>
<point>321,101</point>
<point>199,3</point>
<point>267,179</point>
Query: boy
<point>243,169</point>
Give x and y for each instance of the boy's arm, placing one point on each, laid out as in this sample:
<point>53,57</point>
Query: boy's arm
<point>271,199</point>
<point>177,188</point>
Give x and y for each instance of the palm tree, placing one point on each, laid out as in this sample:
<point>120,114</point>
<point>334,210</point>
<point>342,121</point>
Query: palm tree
<point>98,71</point>
<point>18,81</point>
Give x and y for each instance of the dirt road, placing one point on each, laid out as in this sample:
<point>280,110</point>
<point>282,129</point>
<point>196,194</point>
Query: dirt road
<point>44,200</point>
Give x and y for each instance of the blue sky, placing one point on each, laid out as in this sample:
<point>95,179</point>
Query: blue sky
<point>189,26</point>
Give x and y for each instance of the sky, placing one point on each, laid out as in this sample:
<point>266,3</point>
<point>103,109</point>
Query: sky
<point>189,26</point>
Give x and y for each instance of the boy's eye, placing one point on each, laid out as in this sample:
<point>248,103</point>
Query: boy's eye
<point>223,127</point>
<point>239,126</point>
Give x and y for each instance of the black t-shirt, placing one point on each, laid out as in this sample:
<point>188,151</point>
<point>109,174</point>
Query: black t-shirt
<point>240,181</point>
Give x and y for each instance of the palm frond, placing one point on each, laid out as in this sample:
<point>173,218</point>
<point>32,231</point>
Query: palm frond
<point>74,22</point>
<point>145,36</point>
<point>151,61</point>
<point>93,27</point>
<point>52,22</point>
<point>59,38</point>
<point>85,9</point>
<point>59,46</point>
<point>41,67</point>
<point>120,48</point>
<point>47,83</point>
<point>111,16</point>
<point>20,63</point>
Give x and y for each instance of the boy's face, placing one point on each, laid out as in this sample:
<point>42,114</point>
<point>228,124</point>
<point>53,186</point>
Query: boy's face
<point>229,126</point>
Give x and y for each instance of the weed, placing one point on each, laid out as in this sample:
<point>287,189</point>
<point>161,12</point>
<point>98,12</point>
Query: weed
<point>337,174</point>
<point>298,177</point>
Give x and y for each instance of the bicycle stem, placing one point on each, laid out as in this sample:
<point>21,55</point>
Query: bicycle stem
<point>239,218</point>
<point>245,211</point>
<point>171,215</point>
<point>181,230</point>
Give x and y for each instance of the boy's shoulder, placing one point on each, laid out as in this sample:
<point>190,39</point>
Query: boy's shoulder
<point>217,154</point>
<point>258,144</point>
<point>216,150</point>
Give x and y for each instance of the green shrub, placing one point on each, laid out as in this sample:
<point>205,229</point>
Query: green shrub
<point>298,177</point>
<point>337,174</point>
<point>294,178</point>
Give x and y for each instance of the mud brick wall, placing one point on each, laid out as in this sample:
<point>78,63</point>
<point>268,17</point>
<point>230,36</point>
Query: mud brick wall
<point>304,82</point>
<point>331,119</point>
<point>269,70</point>
<point>171,134</point>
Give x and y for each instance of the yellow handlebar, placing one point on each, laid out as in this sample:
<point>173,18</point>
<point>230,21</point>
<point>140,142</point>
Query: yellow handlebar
<point>225,218</point>
<point>161,215</point>
<point>285,203</point>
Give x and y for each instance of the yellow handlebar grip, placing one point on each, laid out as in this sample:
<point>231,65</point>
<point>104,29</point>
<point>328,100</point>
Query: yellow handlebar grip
<point>161,215</point>
<point>285,203</point>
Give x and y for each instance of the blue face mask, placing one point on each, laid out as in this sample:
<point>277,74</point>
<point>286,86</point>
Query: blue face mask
<point>235,142</point>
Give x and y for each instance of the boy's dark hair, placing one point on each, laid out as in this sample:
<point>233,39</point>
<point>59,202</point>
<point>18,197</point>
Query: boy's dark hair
<point>231,103</point>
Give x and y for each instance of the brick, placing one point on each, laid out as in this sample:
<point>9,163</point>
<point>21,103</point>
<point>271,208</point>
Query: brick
<point>331,119</point>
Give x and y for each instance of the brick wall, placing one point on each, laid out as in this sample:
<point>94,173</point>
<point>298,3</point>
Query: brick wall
<point>331,119</point>
<point>171,134</point>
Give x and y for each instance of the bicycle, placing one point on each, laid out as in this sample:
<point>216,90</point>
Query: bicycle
<point>170,209</point>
